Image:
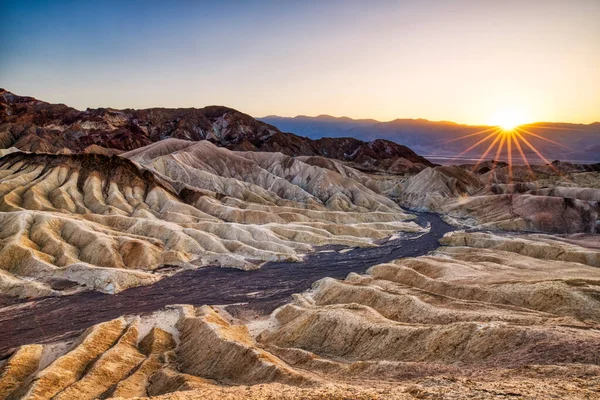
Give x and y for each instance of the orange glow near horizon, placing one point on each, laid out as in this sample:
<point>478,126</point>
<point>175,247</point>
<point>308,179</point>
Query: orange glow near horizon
<point>537,61</point>
<point>506,135</point>
<point>509,118</point>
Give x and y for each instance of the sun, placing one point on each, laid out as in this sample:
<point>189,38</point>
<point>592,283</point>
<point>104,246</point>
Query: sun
<point>508,119</point>
<point>509,132</point>
<point>509,125</point>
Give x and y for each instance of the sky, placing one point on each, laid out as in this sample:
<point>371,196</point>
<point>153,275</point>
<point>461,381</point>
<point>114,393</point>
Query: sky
<point>474,62</point>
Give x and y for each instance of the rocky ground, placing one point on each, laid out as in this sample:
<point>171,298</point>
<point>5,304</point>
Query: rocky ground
<point>184,253</point>
<point>107,223</point>
<point>255,293</point>
<point>482,316</point>
<point>557,198</point>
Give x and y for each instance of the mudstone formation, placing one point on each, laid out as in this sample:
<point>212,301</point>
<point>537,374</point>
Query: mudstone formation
<point>105,200</point>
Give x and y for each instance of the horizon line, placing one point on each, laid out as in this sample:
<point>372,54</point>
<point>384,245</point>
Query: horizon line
<point>377,121</point>
<point>421,119</point>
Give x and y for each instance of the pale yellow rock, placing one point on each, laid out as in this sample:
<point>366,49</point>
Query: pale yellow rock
<point>109,369</point>
<point>484,316</point>
<point>137,383</point>
<point>153,345</point>
<point>22,364</point>
<point>106,222</point>
<point>212,348</point>
<point>551,202</point>
<point>542,247</point>
<point>67,370</point>
<point>168,380</point>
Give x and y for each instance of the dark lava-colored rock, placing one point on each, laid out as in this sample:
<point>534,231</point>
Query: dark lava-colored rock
<point>37,126</point>
<point>263,290</point>
<point>62,284</point>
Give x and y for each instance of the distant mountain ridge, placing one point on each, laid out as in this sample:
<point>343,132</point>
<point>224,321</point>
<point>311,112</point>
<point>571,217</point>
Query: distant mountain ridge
<point>33,125</point>
<point>432,138</point>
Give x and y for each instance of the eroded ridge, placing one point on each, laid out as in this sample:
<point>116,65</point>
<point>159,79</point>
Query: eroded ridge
<point>485,315</point>
<point>106,223</point>
<point>179,348</point>
<point>554,198</point>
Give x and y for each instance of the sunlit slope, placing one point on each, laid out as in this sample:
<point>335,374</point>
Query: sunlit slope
<point>107,224</point>
<point>554,198</point>
<point>485,312</point>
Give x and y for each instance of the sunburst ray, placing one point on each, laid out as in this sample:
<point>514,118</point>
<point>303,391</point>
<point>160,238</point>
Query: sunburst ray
<point>509,138</point>
<point>520,129</point>
<point>536,151</point>
<point>523,156</point>
<point>556,128</point>
<point>469,135</point>
<point>496,132</point>
<point>490,147</point>
<point>498,153</point>
<point>509,151</point>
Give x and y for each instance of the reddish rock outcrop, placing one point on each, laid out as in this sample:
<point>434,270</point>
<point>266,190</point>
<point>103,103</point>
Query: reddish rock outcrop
<point>33,125</point>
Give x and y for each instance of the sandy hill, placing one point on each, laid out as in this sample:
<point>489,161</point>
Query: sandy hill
<point>107,222</point>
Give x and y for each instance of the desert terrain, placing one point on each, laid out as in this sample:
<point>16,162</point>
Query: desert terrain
<point>202,253</point>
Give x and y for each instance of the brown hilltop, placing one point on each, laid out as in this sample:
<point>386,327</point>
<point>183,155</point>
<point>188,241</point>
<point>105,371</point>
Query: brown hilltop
<point>34,125</point>
<point>477,318</point>
<point>115,199</point>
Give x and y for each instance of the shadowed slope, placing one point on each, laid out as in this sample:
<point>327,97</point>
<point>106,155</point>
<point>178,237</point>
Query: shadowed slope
<point>105,223</point>
<point>485,311</point>
<point>545,200</point>
<point>33,125</point>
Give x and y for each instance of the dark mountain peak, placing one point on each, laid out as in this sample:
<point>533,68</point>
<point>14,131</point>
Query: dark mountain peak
<point>421,122</point>
<point>388,147</point>
<point>216,111</point>
<point>327,116</point>
<point>31,125</point>
<point>11,98</point>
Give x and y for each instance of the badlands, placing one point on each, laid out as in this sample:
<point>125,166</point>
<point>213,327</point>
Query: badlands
<point>200,254</point>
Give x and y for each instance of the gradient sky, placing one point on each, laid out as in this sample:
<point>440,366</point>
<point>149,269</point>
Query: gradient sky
<point>464,61</point>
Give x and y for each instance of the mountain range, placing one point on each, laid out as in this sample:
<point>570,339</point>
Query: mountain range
<point>436,140</point>
<point>37,126</point>
<point>183,253</point>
